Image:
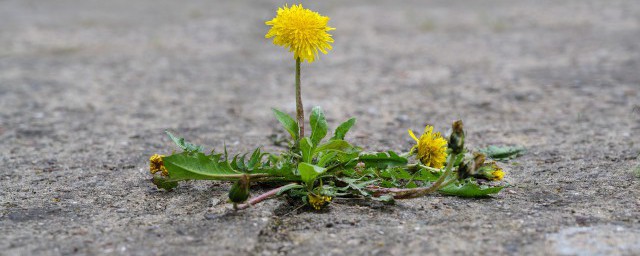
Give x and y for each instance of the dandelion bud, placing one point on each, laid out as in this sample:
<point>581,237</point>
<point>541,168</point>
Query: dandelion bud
<point>240,190</point>
<point>456,139</point>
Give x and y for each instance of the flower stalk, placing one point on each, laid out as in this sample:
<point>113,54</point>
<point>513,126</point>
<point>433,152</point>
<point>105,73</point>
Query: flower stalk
<point>299,107</point>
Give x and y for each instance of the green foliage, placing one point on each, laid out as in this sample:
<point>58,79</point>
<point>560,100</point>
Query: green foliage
<point>382,159</point>
<point>198,166</point>
<point>342,129</point>
<point>309,172</point>
<point>469,188</point>
<point>163,183</point>
<point>186,146</point>
<point>503,153</point>
<point>358,185</point>
<point>288,123</point>
<point>288,187</point>
<point>318,124</point>
<point>306,148</point>
<point>317,170</point>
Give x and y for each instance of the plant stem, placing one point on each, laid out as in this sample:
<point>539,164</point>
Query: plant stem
<point>259,198</point>
<point>299,108</point>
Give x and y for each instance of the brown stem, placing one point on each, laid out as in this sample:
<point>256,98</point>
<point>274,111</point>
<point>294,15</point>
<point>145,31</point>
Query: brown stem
<point>299,108</point>
<point>259,198</point>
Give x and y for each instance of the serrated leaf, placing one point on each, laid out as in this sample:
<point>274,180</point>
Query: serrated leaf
<point>501,153</point>
<point>164,183</point>
<point>186,146</point>
<point>397,173</point>
<point>469,188</point>
<point>426,175</point>
<point>198,166</point>
<point>240,163</point>
<point>309,172</point>
<point>255,159</point>
<point>358,185</point>
<point>342,129</point>
<point>318,124</point>
<point>382,159</point>
<point>288,123</point>
<point>306,148</point>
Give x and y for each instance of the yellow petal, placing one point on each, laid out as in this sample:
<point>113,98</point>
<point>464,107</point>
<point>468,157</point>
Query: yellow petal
<point>413,135</point>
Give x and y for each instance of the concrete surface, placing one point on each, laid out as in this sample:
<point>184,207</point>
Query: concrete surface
<point>87,88</point>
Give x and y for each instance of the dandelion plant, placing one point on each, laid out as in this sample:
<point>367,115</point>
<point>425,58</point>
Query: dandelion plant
<point>319,167</point>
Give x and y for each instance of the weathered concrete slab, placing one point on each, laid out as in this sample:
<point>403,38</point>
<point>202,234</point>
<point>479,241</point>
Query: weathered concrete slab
<point>87,88</point>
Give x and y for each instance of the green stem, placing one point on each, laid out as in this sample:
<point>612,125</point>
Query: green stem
<point>299,108</point>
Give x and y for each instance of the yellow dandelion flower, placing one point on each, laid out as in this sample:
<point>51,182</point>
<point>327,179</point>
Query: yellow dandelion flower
<point>431,148</point>
<point>157,165</point>
<point>302,31</point>
<point>317,202</point>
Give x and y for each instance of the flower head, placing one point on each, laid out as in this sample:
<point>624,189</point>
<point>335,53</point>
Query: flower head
<point>318,201</point>
<point>157,165</point>
<point>302,31</point>
<point>431,148</point>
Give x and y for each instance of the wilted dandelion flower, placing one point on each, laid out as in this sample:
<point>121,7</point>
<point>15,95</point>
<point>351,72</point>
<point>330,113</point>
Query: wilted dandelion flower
<point>431,148</point>
<point>498,174</point>
<point>157,165</point>
<point>302,31</point>
<point>318,201</point>
<point>490,171</point>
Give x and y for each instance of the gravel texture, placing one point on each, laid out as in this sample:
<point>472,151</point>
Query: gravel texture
<point>88,87</point>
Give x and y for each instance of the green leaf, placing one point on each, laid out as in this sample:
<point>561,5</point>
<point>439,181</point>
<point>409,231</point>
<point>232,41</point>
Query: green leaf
<point>386,199</point>
<point>427,175</point>
<point>502,153</point>
<point>382,159</point>
<point>469,188</point>
<point>164,183</point>
<point>198,166</point>
<point>327,158</point>
<point>255,159</point>
<point>186,146</point>
<point>306,147</point>
<point>318,125</point>
<point>333,144</point>
<point>342,129</point>
<point>309,172</point>
<point>288,123</point>
<point>395,173</point>
<point>288,187</point>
